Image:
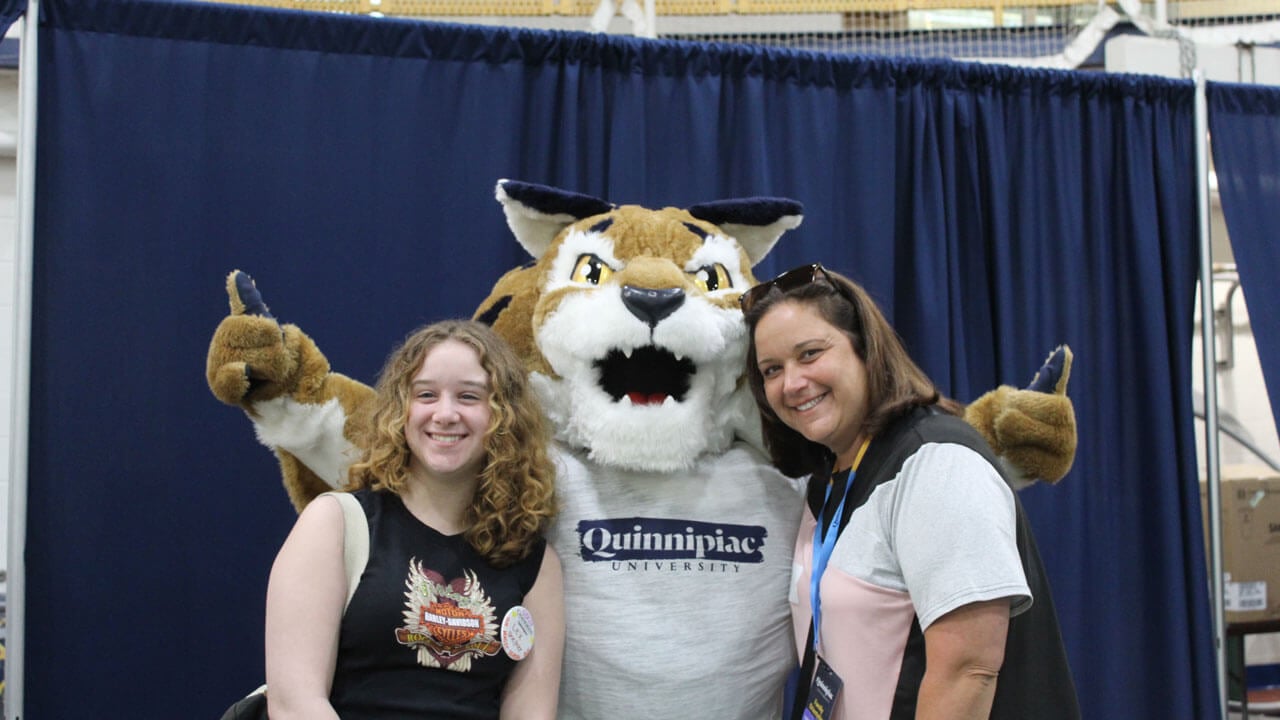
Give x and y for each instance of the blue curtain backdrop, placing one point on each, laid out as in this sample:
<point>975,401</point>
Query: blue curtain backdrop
<point>349,164</point>
<point>1244,122</point>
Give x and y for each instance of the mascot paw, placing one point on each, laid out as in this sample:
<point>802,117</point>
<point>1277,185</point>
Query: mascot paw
<point>250,358</point>
<point>1033,429</point>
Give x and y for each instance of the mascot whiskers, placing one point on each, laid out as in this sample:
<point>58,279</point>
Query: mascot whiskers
<point>674,531</point>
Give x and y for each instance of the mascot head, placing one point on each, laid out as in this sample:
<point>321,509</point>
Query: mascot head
<point>628,319</point>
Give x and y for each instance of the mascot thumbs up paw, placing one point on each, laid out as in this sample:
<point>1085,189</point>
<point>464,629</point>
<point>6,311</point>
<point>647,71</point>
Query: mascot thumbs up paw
<point>299,408</point>
<point>1033,430</point>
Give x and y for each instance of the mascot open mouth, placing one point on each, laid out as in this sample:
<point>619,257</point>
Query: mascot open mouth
<point>648,377</point>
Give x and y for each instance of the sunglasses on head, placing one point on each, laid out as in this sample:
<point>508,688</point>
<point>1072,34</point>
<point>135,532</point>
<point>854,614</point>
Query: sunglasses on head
<point>790,280</point>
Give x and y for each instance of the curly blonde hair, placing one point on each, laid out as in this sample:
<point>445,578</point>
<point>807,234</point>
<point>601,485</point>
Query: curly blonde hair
<point>514,501</point>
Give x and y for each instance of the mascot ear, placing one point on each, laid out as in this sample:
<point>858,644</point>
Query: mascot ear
<point>756,223</point>
<point>536,213</point>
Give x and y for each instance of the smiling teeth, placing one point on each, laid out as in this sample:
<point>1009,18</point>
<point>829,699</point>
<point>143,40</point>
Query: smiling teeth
<point>445,438</point>
<point>806,405</point>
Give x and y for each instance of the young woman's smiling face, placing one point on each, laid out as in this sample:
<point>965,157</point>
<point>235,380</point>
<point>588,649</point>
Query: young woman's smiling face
<point>813,380</point>
<point>448,413</point>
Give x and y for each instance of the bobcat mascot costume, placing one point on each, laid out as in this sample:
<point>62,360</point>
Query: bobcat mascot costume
<point>675,532</point>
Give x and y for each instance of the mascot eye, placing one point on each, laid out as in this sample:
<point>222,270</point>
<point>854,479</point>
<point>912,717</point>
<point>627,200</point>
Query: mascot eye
<point>591,269</point>
<point>709,278</point>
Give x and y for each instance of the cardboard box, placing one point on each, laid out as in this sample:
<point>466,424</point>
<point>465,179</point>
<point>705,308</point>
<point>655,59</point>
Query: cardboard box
<point>1250,497</point>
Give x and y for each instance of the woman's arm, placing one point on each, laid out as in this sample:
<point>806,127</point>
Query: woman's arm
<point>534,687</point>
<point>306,597</point>
<point>963,650</point>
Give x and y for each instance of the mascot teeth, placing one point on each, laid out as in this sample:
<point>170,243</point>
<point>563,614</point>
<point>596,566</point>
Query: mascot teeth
<point>645,376</point>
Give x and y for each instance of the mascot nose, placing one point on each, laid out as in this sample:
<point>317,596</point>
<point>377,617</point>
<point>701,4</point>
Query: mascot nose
<point>651,305</point>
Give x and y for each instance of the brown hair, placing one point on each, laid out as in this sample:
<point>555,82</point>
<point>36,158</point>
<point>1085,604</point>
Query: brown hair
<point>514,501</point>
<point>895,384</point>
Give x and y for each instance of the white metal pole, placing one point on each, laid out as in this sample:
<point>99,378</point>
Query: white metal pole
<point>15,644</point>
<point>1208,337</point>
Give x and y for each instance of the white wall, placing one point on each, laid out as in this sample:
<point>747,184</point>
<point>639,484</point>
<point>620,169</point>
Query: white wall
<point>1221,61</point>
<point>8,241</point>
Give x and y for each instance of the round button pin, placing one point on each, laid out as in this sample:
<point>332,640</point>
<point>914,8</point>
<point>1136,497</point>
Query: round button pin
<point>517,632</point>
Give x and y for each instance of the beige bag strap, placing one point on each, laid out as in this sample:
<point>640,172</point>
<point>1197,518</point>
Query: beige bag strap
<point>355,540</point>
<point>355,546</point>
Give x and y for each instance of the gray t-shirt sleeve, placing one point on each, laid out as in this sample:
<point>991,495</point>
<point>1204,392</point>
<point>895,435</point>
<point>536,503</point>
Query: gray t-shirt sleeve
<point>952,528</point>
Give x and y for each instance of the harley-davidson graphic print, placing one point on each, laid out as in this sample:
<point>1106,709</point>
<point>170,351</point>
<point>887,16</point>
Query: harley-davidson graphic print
<point>447,621</point>
<point>421,637</point>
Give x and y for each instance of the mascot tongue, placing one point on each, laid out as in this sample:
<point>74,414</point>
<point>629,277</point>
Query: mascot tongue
<point>639,398</point>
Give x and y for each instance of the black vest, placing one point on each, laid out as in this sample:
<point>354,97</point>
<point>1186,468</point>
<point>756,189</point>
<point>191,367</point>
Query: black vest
<point>1035,681</point>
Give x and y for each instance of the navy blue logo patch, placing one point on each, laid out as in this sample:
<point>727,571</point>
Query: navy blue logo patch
<point>639,538</point>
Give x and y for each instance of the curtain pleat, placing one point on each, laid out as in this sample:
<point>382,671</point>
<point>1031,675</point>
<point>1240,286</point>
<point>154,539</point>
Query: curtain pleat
<point>1244,124</point>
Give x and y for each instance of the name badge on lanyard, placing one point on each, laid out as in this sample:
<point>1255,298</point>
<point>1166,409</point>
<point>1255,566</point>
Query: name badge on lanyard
<point>822,695</point>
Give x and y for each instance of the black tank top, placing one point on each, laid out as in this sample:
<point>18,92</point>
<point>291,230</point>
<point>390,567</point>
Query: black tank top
<point>421,637</point>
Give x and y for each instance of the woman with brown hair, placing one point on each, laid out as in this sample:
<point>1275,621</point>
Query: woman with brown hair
<point>914,570</point>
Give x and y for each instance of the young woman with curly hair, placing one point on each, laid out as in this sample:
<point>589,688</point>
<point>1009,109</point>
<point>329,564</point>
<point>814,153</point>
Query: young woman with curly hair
<point>457,486</point>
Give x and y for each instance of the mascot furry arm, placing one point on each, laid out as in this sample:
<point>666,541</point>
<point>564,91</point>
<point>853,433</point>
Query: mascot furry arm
<point>301,409</point>
<point>279,377</point>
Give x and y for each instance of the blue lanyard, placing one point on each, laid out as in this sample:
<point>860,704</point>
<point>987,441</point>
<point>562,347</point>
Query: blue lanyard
<point>822,548</point>
<point>823,545</point>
